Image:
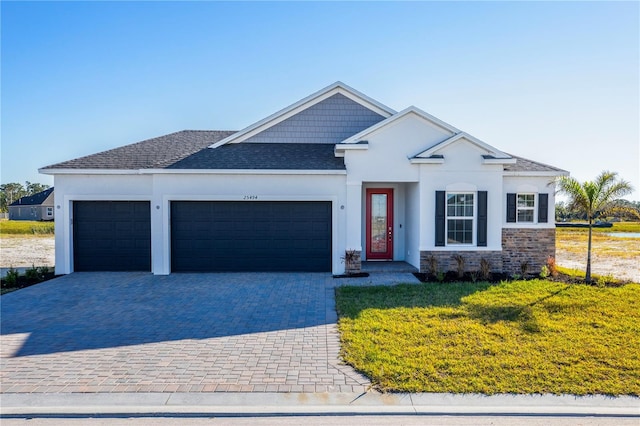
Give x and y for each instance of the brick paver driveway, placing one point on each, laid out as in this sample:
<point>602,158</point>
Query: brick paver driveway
<point>135,332</point>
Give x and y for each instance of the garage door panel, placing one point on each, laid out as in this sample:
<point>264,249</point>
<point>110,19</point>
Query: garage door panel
<point>250,236</point>
<point>111,236</point>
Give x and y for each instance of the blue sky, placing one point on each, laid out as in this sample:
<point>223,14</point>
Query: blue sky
<point>557,82</point>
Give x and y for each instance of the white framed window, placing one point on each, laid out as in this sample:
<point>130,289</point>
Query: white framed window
<point>460,218</point>
<point>525,206</point>
<point>49,211</point>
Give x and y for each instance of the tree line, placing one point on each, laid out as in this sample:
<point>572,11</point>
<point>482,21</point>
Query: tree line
<point>620,209</point>
<point>10,192</point>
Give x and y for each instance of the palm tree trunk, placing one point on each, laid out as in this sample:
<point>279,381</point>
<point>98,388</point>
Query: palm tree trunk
<point>587,277</point>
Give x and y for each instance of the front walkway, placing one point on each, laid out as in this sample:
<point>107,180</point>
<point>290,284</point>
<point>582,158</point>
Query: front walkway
<point>135,332</point>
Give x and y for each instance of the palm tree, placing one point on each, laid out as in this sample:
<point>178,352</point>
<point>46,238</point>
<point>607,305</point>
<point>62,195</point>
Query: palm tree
<point>593,198</point>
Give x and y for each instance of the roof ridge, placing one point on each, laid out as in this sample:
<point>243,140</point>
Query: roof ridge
<point>200,130</point>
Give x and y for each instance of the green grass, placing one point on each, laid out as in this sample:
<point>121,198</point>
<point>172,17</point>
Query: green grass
<point>516,337</point>
<point>25,227</point>
<point>622,227</point>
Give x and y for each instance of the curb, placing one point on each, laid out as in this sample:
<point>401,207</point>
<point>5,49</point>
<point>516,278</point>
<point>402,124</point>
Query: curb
<point>79,404</point>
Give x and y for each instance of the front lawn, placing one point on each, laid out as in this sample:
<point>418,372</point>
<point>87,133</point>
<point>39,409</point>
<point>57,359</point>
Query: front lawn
<point>517,337</point>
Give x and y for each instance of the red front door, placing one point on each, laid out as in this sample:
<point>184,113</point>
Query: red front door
<point>380,224</point>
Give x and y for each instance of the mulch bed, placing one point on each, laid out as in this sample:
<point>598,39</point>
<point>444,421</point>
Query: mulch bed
<point>452,277</point>
<point>22,282</point>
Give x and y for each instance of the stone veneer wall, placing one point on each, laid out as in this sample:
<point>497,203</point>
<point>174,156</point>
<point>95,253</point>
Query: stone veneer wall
<point>354,266</point>
<point>527,244</point>
<point>446,262</point>
<point>518,245</point>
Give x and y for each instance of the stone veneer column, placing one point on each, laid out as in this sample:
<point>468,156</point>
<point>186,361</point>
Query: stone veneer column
<point>354,266</point>
<point>527,245</point>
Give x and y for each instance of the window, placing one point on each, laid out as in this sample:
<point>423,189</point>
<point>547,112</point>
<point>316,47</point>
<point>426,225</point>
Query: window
<point>460,217</point>
<point>49,211</point>
<point>525,206</point>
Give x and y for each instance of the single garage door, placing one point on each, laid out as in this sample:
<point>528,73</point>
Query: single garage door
<point>250,236</point>
<point>111,236</point>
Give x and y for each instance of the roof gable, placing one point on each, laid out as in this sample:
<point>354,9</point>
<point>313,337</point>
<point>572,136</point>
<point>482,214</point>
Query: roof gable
<point>491,153</point>
<point>333,94</point>
<point>412,111</point>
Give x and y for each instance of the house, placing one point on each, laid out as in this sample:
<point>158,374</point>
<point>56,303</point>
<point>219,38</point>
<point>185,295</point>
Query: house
<point>33,207</point>
<point>335,172</point>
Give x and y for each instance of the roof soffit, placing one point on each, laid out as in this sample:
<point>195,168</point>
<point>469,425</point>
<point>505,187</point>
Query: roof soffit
<point>301,105</point>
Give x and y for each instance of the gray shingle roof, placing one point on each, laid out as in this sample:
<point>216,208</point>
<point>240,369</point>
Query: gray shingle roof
<point>188,149</point>
<point>525,165</point>
<point>269,156</point>
<point>33,200</point>
<point>156,153</point>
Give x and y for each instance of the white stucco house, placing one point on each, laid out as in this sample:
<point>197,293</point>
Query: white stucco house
<point>335,172</point>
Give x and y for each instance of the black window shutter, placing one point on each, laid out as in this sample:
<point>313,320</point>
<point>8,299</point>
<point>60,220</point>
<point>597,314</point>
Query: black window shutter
<point>440,217</point>
<point>511,207</point>
<point>482,219</point>
<point>543,208</point>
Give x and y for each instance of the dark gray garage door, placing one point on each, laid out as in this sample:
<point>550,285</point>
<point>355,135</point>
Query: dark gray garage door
<point>111,236</point>
<point>250,236</point>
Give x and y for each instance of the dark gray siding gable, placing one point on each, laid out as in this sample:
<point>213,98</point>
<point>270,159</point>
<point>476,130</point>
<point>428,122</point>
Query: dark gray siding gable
<point>330,121</point>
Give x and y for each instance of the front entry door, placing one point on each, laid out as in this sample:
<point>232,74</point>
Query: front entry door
<point>380,224</point>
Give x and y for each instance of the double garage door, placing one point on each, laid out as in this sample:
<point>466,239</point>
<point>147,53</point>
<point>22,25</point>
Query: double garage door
<point>205,236</point>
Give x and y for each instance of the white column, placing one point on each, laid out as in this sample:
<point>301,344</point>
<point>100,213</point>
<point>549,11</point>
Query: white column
<point>63,236</point>
<point>354,216</point>
<point>160,260</point>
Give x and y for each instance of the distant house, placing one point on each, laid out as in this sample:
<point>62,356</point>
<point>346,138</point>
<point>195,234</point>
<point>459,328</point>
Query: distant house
<point>33,207</point>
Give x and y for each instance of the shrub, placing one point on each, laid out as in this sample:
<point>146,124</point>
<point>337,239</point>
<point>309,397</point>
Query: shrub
<point>432,263</point>
<point>460,261</point>
<point>11,278</point>
<point>551,264</point>
<point>544,272</point>
<point>485,269</point>
<point>32,274</point>
<point>604,280</point>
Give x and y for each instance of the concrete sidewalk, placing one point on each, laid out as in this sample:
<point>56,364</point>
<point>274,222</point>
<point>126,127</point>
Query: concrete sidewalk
<point>25,405</point>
